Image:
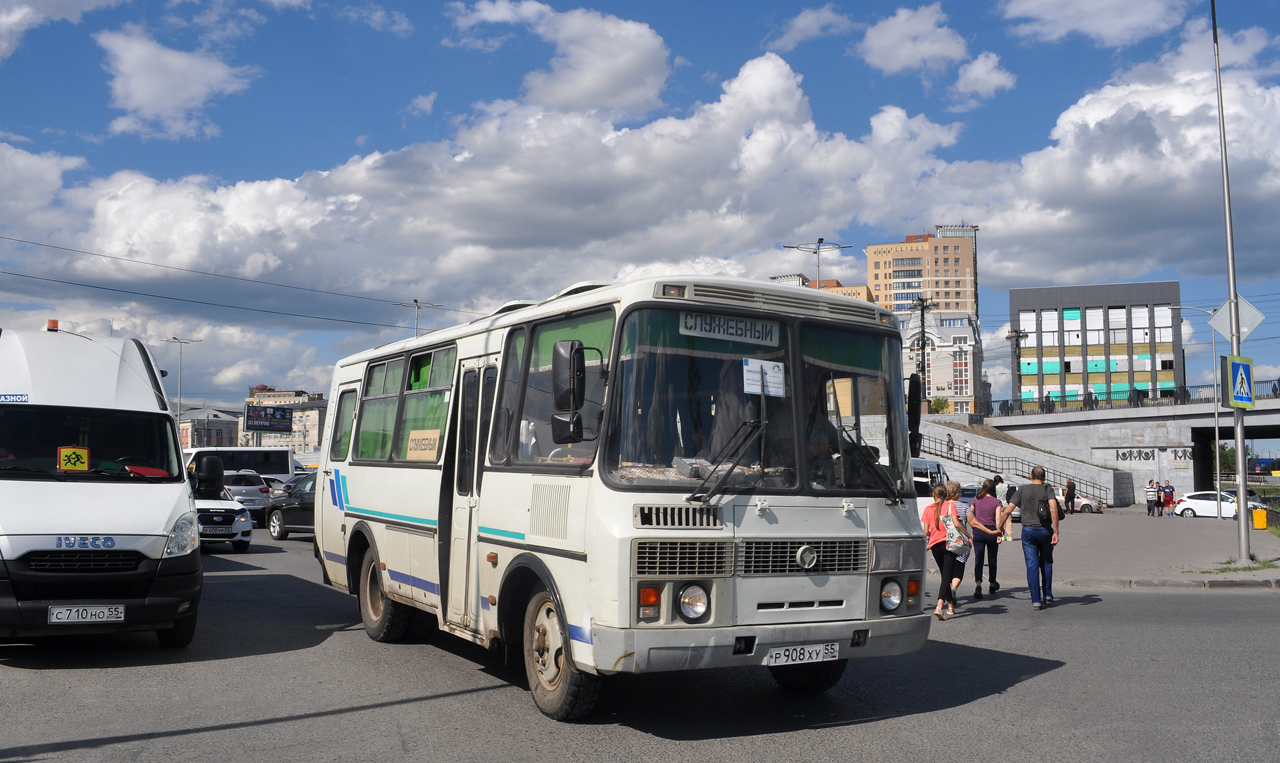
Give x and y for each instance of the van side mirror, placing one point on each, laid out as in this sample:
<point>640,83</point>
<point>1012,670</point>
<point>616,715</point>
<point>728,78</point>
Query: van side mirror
<point>915,397</point>
<point>568,375</point>
<point>210,478</point>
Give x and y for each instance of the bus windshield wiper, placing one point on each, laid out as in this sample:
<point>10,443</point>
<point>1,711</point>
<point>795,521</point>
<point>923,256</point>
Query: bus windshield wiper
<point>860,447</point>
<point>747,433</point>
<point>876,468</point>
<point>34,470</point>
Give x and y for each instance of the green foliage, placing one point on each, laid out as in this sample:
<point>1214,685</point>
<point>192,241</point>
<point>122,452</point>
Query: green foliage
<point>938,405</point>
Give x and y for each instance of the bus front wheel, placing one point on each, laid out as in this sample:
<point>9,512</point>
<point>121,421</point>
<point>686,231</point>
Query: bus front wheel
<point>560,690</point>
<point>813,678</point>
<point>385,621</point>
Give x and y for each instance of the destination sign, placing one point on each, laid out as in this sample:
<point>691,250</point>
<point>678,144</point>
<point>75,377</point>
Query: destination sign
<point>730,328</point>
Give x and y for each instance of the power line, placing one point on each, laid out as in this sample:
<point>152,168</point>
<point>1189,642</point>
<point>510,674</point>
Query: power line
<point>200,302</point>
<point>228,277</point>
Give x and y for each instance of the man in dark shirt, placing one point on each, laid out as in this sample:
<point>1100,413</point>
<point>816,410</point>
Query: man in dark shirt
<point>1070,497</point>
<point>1039,535</point>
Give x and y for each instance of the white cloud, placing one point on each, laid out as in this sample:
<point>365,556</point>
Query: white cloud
<point>980,79</point>
<point>165,91</point>
<point>13,137</point>
<point>1106,22</point>
<point>379,19</point>
<point>912,40</point>
<point>809,24</point>
<point>283,4</point>
<point>19,16</point>
<point>601,61</point>
<point>422,104</point>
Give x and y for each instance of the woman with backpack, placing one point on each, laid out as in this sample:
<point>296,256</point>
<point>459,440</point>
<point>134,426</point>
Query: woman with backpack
<point>941,520</point>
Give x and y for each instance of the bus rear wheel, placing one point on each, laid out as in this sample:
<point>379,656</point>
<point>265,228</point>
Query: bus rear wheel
<point>813,678</point>
<point>385,621</point>
<point>560,690</point>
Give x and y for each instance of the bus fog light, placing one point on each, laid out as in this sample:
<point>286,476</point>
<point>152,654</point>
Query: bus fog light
<point>693,601</point>
<point>890,595</point>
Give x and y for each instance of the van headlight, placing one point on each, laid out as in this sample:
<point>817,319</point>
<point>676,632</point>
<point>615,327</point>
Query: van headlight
<point>185,536</point>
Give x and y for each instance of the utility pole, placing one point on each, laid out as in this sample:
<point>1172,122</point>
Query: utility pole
<point>181,343</point>
<point>817,249</point>
<point>1242,491</point>
<point>416,305</point>
<point>1016,336</point>
<point>923,304</point>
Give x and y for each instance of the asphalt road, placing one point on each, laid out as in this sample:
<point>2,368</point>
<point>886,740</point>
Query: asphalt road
<point>280,670</point>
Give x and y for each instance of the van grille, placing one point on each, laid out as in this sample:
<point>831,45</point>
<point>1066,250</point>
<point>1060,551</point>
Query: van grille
<point>778,557</point>
<point>797,304</point>
<point>683,558</point>
<point>681,517</point>
<point>81,561</point>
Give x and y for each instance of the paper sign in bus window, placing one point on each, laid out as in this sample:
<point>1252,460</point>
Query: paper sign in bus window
<point>424,445</point>
<point>73,459</point>
<point>764,377</point>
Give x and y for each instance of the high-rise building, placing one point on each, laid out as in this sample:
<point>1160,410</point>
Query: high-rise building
<point>831,286</point>
<point>1080,343</point>
<point>940,266</point>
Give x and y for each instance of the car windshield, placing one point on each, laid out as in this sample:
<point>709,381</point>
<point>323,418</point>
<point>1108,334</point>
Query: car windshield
<point>690,385</point>
<point>63,443</point>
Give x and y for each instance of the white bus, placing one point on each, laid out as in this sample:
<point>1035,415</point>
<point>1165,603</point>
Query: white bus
<point>666,474</point>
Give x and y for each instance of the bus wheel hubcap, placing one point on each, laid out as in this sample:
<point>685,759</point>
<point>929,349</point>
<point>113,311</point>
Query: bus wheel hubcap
<point>548,649</point>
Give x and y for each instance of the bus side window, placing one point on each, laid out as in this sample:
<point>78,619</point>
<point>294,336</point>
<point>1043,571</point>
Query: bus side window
<point>467,431</point>
<point>488,386</point>
<point>512,364</point>
<point>346,418</point>
<point>378,410</point>
<point>426,405</point>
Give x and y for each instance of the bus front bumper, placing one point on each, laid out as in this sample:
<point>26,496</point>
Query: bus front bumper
<point>644,650</point>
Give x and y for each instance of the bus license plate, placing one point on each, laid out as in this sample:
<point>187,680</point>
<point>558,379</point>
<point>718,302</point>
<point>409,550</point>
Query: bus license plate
<point>107,614</point>
<point>794,655</point>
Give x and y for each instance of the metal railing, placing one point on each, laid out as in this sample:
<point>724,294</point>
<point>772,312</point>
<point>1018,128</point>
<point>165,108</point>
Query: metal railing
<point>1013,468</point>
<point>1138,398</point>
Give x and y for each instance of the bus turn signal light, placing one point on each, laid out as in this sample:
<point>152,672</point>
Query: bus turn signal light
<point>913,587</point>
<point>649,600</point>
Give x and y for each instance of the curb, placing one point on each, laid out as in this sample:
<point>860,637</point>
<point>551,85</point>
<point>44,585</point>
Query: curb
<point>1175,583</point>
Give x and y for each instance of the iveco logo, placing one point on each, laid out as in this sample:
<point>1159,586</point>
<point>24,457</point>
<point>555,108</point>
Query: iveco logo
<point>84,541</point>
<point>806,557</point>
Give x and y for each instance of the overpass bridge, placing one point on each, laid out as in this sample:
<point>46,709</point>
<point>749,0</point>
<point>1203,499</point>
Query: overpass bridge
<point>1164,439</point>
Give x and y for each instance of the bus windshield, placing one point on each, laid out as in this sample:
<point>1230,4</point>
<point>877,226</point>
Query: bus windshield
<point>78,444</point>
<point>690,384</point>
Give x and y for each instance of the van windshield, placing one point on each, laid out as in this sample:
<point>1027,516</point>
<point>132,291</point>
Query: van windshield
<point>86,444</point>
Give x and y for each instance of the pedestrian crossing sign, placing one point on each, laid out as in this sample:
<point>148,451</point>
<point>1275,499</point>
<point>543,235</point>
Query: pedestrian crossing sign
<point>1237,382</point>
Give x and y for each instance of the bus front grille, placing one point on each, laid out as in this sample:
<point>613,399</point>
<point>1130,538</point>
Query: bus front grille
<point>778,557</point>
<point>682,558</point>
<point>680,517</point>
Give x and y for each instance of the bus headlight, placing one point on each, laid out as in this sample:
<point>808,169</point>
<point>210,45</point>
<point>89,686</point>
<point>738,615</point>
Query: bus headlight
<point>890,595</point>
<point>693,601</point>
<point>185,536</point>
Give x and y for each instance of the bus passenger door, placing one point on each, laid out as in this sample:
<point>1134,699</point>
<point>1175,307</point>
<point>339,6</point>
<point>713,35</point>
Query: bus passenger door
<point>476,389</point>
<point>330,504</point>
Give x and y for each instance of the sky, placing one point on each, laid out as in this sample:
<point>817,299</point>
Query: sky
<point>270,176</point>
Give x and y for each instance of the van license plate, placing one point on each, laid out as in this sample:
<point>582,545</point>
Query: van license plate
<point>107,614</point>
<point>794,655</point>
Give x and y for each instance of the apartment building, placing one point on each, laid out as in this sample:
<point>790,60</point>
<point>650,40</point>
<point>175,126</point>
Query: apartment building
<point>952,358</point>
<point>941,266</point>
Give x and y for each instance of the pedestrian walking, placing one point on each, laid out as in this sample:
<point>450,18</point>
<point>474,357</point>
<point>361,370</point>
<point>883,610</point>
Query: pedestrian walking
<point>1002,494</point>
<point>968,452</point>
<point>1153,493</point>
<point>960,510</point>
<point>984,520</point>
<point>951,446</point>
<point>1039,536</point>
<point>1168,494</point>
<point>935,520</point>
<point>1070,496</point>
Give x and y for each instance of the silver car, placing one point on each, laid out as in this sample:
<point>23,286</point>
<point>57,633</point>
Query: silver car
<point>250,489</point>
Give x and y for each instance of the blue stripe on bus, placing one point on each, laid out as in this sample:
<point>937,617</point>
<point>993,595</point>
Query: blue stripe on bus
<point>578,633</point>
<point>335,558</point>
<point>484,602</point>
<point>333,495</point>
<point>371,514</point>
<point>501,533</point>
<point>346,497</point>
<point>419,583</point>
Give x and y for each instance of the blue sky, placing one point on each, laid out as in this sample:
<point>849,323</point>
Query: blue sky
<point>471,153</point>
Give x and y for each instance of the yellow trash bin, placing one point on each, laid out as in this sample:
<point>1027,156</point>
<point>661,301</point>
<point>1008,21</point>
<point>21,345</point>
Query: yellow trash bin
<point>1259,519</point>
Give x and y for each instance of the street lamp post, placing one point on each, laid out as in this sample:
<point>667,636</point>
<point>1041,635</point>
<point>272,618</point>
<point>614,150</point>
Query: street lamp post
<point>817,250</point>
<point>181,343</point>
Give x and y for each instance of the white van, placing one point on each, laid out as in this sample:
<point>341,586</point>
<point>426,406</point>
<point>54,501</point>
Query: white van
<point>98,529</point>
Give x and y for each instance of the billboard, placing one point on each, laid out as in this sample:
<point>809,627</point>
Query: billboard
<point>261,418</point>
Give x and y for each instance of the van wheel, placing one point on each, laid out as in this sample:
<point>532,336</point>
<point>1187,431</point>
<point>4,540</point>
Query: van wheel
<point>560,690</point>
<point>239,546</point>
<point>179,635</point>
<point>813,678</point>
<point>385,621</point>
<point>275,526</point>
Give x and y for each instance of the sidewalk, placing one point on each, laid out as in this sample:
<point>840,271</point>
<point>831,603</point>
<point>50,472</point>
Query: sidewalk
<point>1127,549</point>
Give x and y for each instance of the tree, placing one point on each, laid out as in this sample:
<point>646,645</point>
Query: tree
<point>938,405</point>
<point>1227,457</point>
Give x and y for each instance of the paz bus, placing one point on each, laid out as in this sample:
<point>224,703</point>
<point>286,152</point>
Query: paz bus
<point>664,474</point>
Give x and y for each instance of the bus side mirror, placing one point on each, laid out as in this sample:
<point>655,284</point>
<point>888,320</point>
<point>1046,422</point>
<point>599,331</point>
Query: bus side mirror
<point>210,478</point>
<point>568,376</point>
<point>566,427</point>
<point>915,396</point>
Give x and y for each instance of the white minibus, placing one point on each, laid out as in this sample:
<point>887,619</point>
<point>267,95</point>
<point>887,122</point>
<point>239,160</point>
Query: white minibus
<point>666,474</point>
<point>98,530</point>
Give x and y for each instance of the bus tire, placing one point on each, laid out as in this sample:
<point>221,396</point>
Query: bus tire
<point>813,678</point>
<point>179,635</point>
<point>559,689</point>
<point>385,621</point>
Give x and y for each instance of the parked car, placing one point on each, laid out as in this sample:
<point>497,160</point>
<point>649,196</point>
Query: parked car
<point>273,483</point>
<point>294,512</point>
<point>283,488</point>
<point>249,486</point>
<point>1203,504</point>
<point>1253,494</point>
<point>224,520</point>
<point>1084,504</point>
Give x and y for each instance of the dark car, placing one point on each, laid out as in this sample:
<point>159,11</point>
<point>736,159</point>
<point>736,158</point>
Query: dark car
<point>295,511</point>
